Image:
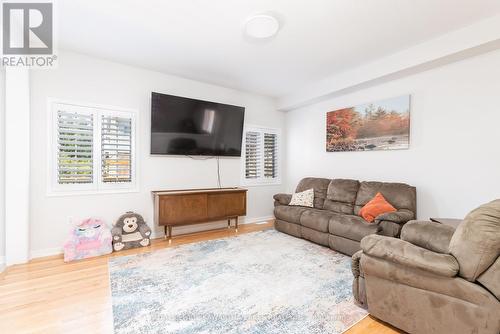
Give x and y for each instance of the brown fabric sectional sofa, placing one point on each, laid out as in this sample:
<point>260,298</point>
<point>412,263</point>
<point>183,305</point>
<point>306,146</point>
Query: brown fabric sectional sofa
<point>334,220</point>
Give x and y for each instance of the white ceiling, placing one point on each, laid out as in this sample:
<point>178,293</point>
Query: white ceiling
<point>203,39</point>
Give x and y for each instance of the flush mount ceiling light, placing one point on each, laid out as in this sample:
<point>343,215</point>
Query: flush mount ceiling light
<point>261,26</point>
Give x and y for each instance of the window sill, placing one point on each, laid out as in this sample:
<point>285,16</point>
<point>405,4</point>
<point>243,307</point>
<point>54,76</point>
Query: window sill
<point>53,193</point>
<point>261,184</point>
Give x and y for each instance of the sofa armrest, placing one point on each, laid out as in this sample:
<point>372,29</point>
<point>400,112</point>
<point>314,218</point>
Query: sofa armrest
<point>283,199</point>
<point>358,283</point>
<point>429,235</point>
<point>355,267</point>
<point>400,216</point>
<point>406,254</point>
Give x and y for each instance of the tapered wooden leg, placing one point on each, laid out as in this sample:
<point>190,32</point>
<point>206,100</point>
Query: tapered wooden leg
<point>229,223</point>
<point>165,231</point>
<point>169,234</point>
<point>236,223</point>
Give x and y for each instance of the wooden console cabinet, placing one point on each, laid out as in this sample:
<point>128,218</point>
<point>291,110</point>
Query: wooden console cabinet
<point>195,206</point>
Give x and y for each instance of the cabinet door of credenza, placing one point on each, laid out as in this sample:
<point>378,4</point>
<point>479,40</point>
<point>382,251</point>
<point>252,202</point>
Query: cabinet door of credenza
<point>226,205</point>
<point>185,208</point>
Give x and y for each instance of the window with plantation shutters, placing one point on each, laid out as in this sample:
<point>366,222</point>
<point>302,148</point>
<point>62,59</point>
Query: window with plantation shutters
<point>93,148</point>
<point>75,144</point>
<point>270,155</point>
<point>116,149</point>
<point>252,155</point>
<point>261,160</point>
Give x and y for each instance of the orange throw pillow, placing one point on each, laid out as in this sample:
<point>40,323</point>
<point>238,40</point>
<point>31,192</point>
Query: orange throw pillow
<point>377,206</point>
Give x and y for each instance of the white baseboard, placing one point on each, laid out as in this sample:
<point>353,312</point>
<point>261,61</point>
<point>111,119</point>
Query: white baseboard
<point>258,220</point>
<point>186,229</point>
<point>46,252</point>
<point>157,234</point>
<point>2,263</point>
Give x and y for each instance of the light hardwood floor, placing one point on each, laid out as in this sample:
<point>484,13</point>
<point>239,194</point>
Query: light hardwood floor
<point>47,295</point>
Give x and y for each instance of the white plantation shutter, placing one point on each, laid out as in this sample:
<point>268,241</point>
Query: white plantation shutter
<point>261,156</point>
<point>116,149</point>
<point>92,148</point>
<point>270,155</point>
<point>75,133</point>
<point>252,155</point>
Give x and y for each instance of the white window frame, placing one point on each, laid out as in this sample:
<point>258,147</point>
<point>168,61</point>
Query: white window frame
<point>261,181</point>
<point>97,186</point>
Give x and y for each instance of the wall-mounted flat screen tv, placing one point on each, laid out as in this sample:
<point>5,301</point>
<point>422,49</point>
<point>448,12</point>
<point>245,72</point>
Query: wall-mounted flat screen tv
<point>184,126</point>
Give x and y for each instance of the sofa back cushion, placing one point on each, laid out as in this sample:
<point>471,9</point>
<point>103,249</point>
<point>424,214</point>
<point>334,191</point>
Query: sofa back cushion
<point>319,185</point>
<point>400,195</point>
<point>341,195</point>
<point>476,241</point>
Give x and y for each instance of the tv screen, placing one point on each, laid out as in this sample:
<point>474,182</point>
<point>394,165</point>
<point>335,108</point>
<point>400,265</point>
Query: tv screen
<point>183,126</point>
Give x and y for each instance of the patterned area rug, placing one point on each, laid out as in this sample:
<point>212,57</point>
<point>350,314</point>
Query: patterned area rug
<point>262,282</point>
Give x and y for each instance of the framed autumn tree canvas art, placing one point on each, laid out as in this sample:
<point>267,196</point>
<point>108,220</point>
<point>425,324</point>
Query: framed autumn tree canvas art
<point>382,125</point>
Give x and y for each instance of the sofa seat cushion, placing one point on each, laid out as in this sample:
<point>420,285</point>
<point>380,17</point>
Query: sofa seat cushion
<point>429,235</point>
<point>290,214</point>
<point>316,219</point>
<point>351,227</point>
<point>406,254</point>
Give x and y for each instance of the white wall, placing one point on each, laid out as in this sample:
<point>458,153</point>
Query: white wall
<point>453,159</point>
<point>17,164</point>
<point>2,168</point>
<point>84,79</point>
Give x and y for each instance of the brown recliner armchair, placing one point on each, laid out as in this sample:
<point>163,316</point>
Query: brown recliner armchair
<point>434,279</point>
